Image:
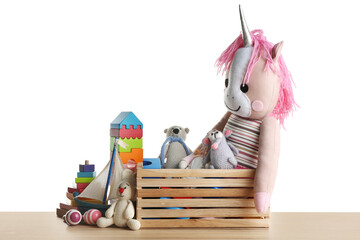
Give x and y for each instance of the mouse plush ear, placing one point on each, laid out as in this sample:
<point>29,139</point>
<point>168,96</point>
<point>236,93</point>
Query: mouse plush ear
<point>227,133</point>
<point>165,131</point>
<point>206,141</point>
<point>187,130</point>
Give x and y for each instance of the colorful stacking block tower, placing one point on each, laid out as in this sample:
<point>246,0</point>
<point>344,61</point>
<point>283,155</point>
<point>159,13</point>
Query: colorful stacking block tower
<point>85,175</point>
<point>129,129</point>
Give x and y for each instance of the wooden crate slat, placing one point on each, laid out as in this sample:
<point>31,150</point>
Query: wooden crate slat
<point>245,173</point>
<point>195,182</point>
<point>224,202</point>
<point>138,212</point>
<point>196,223</point>
<point>227,192</point>
<point>203,212</point>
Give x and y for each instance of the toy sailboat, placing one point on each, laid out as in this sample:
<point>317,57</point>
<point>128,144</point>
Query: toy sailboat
<point>97,190</point>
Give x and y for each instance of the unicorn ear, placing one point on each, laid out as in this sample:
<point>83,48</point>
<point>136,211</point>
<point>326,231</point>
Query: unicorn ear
<point>276,51</point>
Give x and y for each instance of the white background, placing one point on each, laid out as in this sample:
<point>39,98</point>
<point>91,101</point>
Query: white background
<point>68,68</point>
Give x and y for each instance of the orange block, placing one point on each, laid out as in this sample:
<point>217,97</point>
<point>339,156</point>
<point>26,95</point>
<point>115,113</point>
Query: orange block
<point>136,154</point>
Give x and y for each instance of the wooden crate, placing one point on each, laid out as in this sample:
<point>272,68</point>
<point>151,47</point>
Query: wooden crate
<point>211,198</point>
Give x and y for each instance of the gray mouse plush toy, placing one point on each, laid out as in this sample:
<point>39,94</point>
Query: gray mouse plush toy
<point>222,153</point>
<point>175,151</point>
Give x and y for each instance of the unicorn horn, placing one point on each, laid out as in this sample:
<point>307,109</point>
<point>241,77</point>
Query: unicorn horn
<point>245,30</point>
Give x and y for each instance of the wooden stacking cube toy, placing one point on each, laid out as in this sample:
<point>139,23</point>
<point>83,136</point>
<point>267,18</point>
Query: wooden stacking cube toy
<point>85,175</point>
<point>208,198</point>
<point>127,127</point>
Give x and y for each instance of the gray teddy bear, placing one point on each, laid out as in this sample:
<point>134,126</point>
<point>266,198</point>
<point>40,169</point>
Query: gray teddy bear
<point>175,151</point>
<point>222,153</point>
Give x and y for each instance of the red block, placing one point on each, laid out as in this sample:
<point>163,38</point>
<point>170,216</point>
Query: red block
<point>131,132</point>
<point>82,185</point>
<point>72,190</point>
<point>114,132</point>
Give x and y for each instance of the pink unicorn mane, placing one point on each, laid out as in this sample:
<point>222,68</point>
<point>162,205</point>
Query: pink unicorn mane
<point>262,48</point>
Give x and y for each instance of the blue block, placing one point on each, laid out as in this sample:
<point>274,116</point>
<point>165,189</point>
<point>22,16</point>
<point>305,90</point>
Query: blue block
<point>151,163</point>
<point>86,174</point>
<point>127,119</point>
<point>86,168</point>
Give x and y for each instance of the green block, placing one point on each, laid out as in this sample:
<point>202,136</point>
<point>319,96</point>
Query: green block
<point>112,139</point>
<point>132,143</point>
<point>84,179</point>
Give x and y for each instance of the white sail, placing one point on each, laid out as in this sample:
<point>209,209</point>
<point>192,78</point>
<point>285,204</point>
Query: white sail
<point>96,189</point>
<point>116,177</point>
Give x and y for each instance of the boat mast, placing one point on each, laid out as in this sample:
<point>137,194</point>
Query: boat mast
<point>110,169</point>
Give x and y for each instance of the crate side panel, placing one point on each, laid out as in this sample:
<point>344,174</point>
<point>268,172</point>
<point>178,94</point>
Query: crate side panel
<point>201,213</point>
<point>207,223</point>
<point>225,192</point>
<point>195,182</point>
<point>220,202</point>
<point>236,173</point>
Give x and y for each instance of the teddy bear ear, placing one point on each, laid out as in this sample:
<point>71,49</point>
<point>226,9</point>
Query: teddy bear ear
<point>165,131</point>
<point>206,141</point>
<point>227,133</point>
<point>276,51</point>
<point>187,130</point>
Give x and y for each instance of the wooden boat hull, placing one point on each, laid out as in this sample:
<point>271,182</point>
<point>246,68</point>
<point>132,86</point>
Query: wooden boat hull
<point>85,206</point>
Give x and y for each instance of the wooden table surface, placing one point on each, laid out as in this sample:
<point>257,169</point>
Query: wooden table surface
<point>45,225</point>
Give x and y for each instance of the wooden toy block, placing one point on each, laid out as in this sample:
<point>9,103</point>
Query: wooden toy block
<point>84,180</point>
<point>114,132</point>
<point>136,154</point>
<point>67,207</point>
<point>69,196</point>
<point>82,185</point>
<point>86,174</point>
<point>72,190</point>
<point>131,132</point>
<point>131,143</point>
<point>127,119</point>
<point>60,212</point>
<point>224,196</point>
<point>86,168</point>
<point>112,141</point>
<point>151,163</point>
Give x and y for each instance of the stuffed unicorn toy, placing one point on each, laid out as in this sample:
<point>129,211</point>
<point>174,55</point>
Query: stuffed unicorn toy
<point>258,96</point>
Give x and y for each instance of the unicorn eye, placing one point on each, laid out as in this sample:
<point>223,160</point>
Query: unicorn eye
<point>226,82</point>
<point>244,88</point>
